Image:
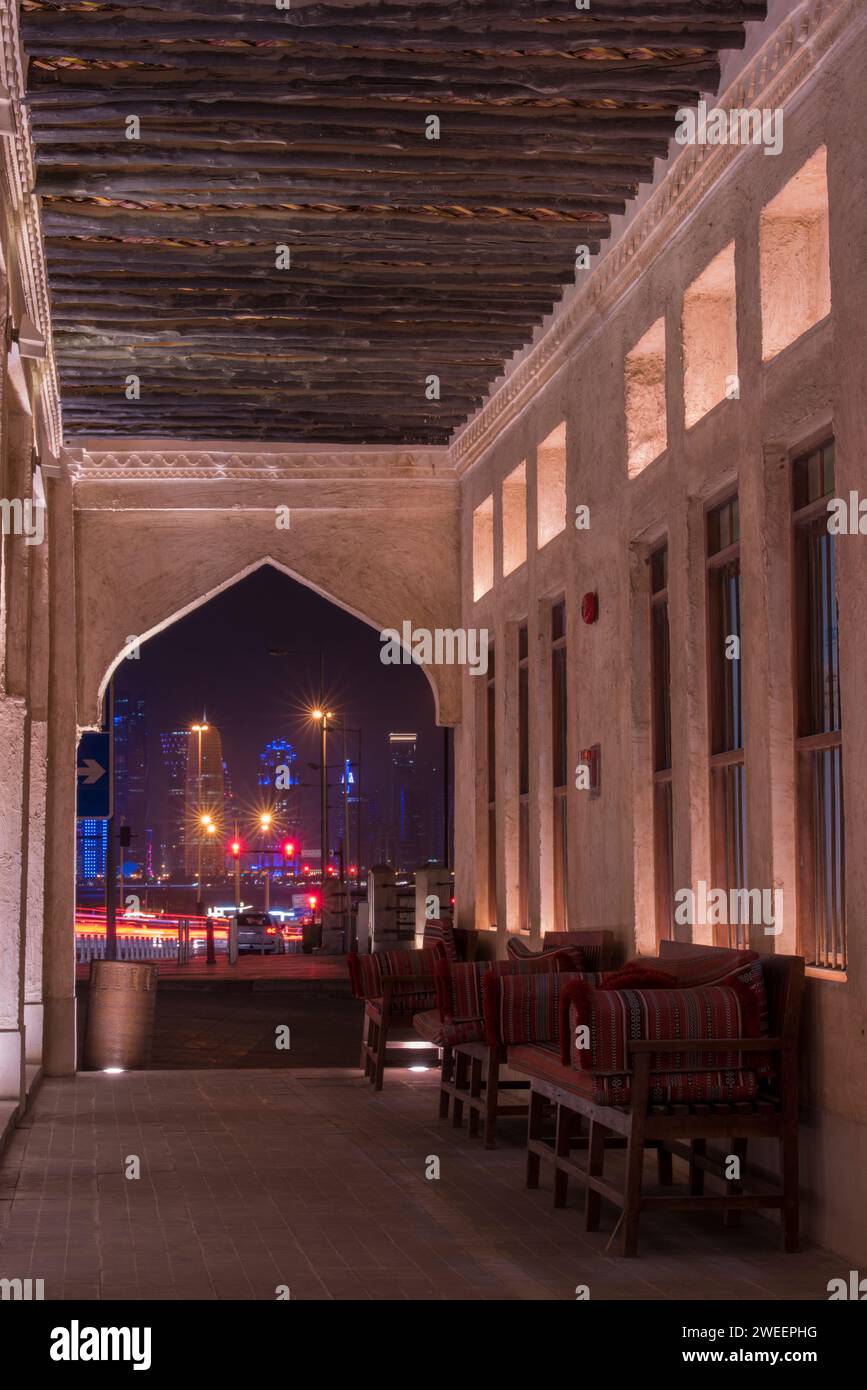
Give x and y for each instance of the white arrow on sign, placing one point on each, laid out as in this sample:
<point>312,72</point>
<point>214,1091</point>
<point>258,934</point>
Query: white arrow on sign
<point>91,772</point>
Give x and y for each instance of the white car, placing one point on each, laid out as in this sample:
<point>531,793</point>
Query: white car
<point>257,931</point>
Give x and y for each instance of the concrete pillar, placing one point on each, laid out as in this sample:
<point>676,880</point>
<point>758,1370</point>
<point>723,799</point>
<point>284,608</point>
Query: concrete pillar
<point>766,567</point>
<point>466,812</point>
<point>382,907</point>
<point>432,881</point>
<point>689,754</point>
<point>59,1052</point>
<point>36,804</point>
<point>13,741</point>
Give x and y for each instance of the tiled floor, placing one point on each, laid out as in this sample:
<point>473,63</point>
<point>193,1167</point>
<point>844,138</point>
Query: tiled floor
<point>255,1179</point>
<point>235,1024</point>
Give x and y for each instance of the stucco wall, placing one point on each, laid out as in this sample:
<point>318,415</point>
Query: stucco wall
<point>812,389</point>
<point>379,539</point>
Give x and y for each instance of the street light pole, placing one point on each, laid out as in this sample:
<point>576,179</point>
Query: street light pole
<point>323,795</point>
<point>344,863</point>
<point>204,826</point>
<point>264,826</point>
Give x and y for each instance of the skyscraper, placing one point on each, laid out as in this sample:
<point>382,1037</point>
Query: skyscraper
<point>278,781</point>
<point>349,777</point>
<point>405,802</point>
<point>173,829</point>
<point>131,773</point>
<point>204,794</point>
<point>91,844</point>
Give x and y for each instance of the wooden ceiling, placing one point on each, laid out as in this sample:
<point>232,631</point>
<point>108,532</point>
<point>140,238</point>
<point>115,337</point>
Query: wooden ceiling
<point>410,257</point>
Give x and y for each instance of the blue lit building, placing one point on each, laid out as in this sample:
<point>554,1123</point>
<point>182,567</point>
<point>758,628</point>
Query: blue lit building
<point>91,844</point>
<point>276,765</point>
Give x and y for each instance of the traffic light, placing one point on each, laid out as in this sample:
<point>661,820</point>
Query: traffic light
<point>125,836</point>
<point>236,849</point>
<point>289,849</point>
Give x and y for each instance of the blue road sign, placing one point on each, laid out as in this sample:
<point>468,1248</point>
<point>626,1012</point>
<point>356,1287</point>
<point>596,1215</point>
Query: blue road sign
<point>94,781</point>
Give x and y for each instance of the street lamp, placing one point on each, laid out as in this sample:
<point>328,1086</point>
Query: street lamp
<point>321,717</point>
<point>205,822</point>
<point>265,825</point>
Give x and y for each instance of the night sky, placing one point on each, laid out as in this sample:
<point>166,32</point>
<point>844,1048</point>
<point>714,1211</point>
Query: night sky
<point>217,658</point>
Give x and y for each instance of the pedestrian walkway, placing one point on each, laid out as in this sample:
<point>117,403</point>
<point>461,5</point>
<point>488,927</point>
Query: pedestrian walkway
<point>291,966</point>
<point>255,1180</point>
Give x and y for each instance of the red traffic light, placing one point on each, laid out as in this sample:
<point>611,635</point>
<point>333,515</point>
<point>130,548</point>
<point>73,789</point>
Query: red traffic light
<point>236,849</point>
<point>312,899</point>
<point>289,849</point>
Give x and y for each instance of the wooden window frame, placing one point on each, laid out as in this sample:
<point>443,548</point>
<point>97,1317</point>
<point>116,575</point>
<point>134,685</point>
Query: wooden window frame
<point>559,826</point>
<point>491,782</point>
<point>729,830</point>
<point>524,781</point>
<point>835,962</point>
<point>663,809</point>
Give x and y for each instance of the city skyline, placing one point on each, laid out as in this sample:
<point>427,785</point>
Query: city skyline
<point>182,679</point>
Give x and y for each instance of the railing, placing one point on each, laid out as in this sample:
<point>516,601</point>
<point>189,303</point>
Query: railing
<point>92,947</point>
<point>145,937</point>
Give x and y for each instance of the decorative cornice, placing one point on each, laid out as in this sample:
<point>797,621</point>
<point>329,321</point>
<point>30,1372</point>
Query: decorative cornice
<point>769,79</point>
<point>20,178</point>
<point>237,464</point>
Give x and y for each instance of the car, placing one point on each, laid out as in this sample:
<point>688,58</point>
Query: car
<point>257,931</point>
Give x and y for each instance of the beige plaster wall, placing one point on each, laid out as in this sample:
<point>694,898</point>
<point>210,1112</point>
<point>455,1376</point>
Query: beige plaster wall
<point>813,388</point>
<point>147,551</point>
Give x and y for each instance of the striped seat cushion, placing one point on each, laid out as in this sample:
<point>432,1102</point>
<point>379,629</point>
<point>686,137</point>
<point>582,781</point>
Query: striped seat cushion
<point>366,972</point>
<point>430,1026</point>
<point>459,987</point>
<point>440,936</point>
<point>609,1018</point>
<point>525,1008</point>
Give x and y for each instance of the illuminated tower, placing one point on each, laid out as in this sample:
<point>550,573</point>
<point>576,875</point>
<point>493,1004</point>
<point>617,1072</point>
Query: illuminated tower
<point>204,795</point>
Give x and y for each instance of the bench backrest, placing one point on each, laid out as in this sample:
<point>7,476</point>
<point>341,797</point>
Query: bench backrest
<point>783,977</point>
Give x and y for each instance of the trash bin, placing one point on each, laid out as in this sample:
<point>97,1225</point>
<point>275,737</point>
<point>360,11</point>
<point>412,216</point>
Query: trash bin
<point>120,1014</point>
<point>311,936</point>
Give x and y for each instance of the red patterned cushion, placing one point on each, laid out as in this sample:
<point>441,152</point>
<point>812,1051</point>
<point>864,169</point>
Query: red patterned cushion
<point>742,969</point>
<point>713,967</point>
<point>680,1087</point>
<point>429,1025</point>
<point>524,1008</point>
<point>366,972</point>
<point>636,975</point>
<point>440,936</point>
<point>582,955</point>
<point>459,987</point>
<point>615,1017</point>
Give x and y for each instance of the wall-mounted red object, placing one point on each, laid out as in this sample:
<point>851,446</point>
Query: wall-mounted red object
<point>590,608</point>
<point>591,758</point>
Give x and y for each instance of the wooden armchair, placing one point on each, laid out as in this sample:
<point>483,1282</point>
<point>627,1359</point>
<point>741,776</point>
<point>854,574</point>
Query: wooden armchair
<point>395,985</point>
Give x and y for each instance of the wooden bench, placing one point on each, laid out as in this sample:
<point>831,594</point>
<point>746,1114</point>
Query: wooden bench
<point>673,1129</point>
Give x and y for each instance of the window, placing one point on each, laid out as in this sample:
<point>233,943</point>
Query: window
<point>523,778</point>
<point>483,548</point>
<point>660,681</point>
<point>710,339</point>
<point>491,729</point>
<point>727,771</point>
<point>515,519</point>
<point>794,257</point>
<point>646,424</point>
<point>551,486</point>
<point>818,731</point>
<point>559,763</point>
